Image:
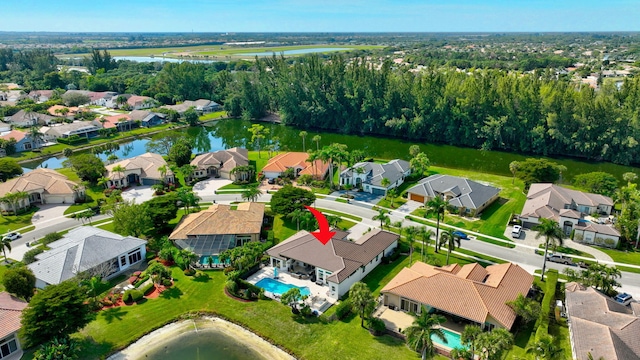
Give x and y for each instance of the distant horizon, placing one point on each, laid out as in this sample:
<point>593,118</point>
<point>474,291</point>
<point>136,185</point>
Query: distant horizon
<point>322,32</point>
<point>328,16</point>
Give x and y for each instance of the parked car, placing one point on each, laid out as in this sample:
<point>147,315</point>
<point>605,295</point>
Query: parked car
<point>561,259</point>
<point>271,181</point>
<point>517,230</point>
<point>624,299</point>
<point>583,265</point>
<point>461,235</point>
<point>13,236</point>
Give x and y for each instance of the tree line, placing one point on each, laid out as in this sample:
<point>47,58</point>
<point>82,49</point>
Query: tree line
<point>530,113</point>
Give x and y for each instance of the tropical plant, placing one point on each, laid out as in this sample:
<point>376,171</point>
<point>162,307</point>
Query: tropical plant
<point>527,309</point>
<point>258,132</point>
<point>6,245</point>
<point>14,199</point>
<point>426,234</point>
<point>303,134</point>
<point>317,139</point>
<point>437,206</point>
<point>419,334</point>
<point>383,216</point>
<point>188,198</point>
<point>251,193</point>
<point>449,239</point>
<point>362,300</point>
<point>469,337</point>
<point>119,169</point>
<point>410,233</point>
<point>296,215</point>
<point>544,348</point>
<point>552,233</point>
<point>292,297</point>
<point>385,183</point>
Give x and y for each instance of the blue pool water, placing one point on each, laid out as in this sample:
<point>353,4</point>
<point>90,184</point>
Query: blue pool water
<point>453,340</point>
<point>204,260</point>
<point>279,288</point>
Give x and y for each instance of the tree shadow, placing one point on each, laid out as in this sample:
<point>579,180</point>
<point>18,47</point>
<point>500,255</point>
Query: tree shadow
<point>115,313</point>
<point>172,293</point>
<point>89,347</point>
<point>202,278</point>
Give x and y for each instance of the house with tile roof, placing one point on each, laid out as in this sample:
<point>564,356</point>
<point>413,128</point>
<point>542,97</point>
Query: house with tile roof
<point>23,140</point>
<point>472,293</point>
<point>368,175</point>
<point>201,105</point>
<point>339,263</point>
<point>147,118</point>
<point>28,118</point>
<point>569,208</point>
<point>44,186</point>
<point>137,102</point>
<point>601,326</point>
<point>468,196</point>
<point>219,163</point>
<point>87,129</point>
<point>40,96</point>
<point>278,164</point>
<point>10,316</point>
<point>87,249</point>
<point>58,110</point>
<point>122,122</point>
<point>218,228</point>
<point>142,169</point>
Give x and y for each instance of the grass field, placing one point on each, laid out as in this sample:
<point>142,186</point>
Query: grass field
<point>10,222</point>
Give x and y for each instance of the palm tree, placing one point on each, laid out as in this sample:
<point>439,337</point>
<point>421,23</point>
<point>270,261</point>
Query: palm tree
<point>317,139</point>
<point>382,216</point>
<point>629,177</point>
<point>252,193</point>
<point>6,245</point>
<point>334,220</point>
<point>426,235</point>
<point>14,199</point>
<point>385,183</point>
<point>450,239</point>
<point>296,215</point>
<point>410,234</point>
<point>419,334</point>
<point>544,348</point>
<point>119,169</point>
<point>361,300</point>
<point>163,171</point>
<point>35,135</point>
<point>303,135</point>
<point>514,166</point>
<point>469,336</point>
<point>103,181</point>
<point>552,233</point>
<point>94,285</point>
<point>437,206</point>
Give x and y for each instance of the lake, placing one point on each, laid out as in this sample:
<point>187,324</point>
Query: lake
<point>292,52</point>
<point>161,59</point>
<point>226,134</point>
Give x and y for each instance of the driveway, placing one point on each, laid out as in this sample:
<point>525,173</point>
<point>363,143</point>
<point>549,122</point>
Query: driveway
<point>209,186</point>
<point>139,194</point>
<point>48,213</point>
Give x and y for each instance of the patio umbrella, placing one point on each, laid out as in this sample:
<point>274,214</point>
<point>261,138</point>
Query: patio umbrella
<point>275,273</point>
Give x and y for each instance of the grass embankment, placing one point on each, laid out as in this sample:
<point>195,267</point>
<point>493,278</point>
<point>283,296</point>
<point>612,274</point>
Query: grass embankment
<point>217,115</point>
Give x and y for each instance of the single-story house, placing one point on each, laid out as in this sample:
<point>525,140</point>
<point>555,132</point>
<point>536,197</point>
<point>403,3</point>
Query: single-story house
<point>470,292</point>
<point>220,163</point>
<point>468,196</point>
<point>142,169</point>
<point>102,98</point>
<point>137,102</point>
<point>147,118</point>
<point>87,249</point>
<point>368,175</point>
<point>27,118</point>
<point>10,323</point>
<point>201,105</point>
<point>601,326</point>
<point>23,140</point>
<point>340,262</point>
<point>278,164</point>
<point>57,110</point>
<point>44,186</point>
<point>11,97</point>
<point>86,129</point>
<point>568,207</point>
<point>121,122</point>
<point>218,228</point>
<point>40,96</point>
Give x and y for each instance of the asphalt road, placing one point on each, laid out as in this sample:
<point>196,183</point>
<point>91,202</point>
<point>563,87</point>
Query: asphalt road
<point>522,255</point>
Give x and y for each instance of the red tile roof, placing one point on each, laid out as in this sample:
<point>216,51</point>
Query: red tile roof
<point>282,162</point>
<point>10,313</point>
<point>15,134</point>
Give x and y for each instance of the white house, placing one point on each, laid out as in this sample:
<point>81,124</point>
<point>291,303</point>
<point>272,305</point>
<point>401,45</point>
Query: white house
<point>142,169</point>
<point>44,186</point>
<point>87,249</point>
<point>369,176</point>
<point>338,264</point>
<point>220,163</point>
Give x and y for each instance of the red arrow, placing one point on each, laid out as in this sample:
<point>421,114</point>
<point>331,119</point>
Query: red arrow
<point>323,235</point>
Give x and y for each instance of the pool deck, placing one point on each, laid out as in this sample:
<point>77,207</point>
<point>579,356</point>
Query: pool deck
<point>319,299</point>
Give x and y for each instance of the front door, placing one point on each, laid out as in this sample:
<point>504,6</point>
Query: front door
<point>567,227</point>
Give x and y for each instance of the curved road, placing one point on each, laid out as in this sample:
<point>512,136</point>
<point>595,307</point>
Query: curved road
<point>523,255</point>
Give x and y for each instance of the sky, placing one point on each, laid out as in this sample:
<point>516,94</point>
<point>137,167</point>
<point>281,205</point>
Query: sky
<point>321,16</point>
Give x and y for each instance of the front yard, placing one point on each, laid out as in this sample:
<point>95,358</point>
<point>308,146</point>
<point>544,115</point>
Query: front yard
<point>11,222</point>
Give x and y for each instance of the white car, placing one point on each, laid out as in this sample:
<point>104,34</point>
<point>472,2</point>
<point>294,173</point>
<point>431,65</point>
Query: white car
<point>13,236</point>
<point>624,299</point>
<point>517,230</point>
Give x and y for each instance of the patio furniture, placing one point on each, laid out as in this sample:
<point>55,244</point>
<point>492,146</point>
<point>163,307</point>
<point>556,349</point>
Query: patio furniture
<point>319,282</point>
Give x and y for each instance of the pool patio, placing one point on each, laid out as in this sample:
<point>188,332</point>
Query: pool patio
<point>319,299</point>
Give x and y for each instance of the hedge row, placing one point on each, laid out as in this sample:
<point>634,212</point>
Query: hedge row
<point>145,290</point>
<point>343,309</point>
<point>132,295</point>
<point>72,140</point>
<point>542,324</point>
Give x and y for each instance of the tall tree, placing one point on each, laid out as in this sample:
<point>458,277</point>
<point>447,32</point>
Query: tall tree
<point>410,233</point>
<point>385,183</point>
<point>317,139</point>
<point>437,206</point>
<point>251,193</point>
<point>258,132</point>
<point>450,240</point>
<point>552,233</point>
<point>9,168</point>
<point>514,166</point>
<point>419,164</point>
<point>5,243</point>
<point>383,216</point>
<point>419,334</point>
<point>303,134</point>
<point>362,300</point>
<point>290,198</point>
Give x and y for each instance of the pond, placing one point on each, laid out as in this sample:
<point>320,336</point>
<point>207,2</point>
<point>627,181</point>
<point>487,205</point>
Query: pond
<point>226,134</point>
<point>292,52</point>
<point>161,59</point>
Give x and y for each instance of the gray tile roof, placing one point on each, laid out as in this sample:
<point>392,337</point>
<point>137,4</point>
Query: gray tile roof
<point>80,250</point>
<point>601,326</point>
<point>341,257</point>
<point>393,170</point>
<point>546,200</point>
<point>468,193</point>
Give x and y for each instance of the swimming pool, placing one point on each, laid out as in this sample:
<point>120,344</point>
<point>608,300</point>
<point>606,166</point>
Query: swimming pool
<point>204,260</point>
<point>453,340</point>
<point>280,288</point>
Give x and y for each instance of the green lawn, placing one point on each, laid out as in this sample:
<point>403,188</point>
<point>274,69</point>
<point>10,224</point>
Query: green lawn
<point>627,257</point>
<point>2,271</point>
<point>283,228</point>
<point>94,193</point>
<point>397,202</point>
<point>342,200</point>
<point>11,222</point>
<point>258,161</point>
<point>348,216</point>
<point>568,251</point>
<point>214,115</point>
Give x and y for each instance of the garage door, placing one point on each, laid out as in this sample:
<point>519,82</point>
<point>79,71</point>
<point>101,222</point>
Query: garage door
<point>416,197</point>
<point>149,181</point>
<point>376,191</point>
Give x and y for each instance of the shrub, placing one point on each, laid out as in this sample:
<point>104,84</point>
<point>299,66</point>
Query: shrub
<point>609,242</point>
<point>577,237</point>
<point>127,297</point>
<point>166,282</point>
<point>306,310</point>
<point>141,281</point>
<point>599,241</point>
<point>50,237</point>
<point>189,272</point>
<point>343,309</point>
<point>30,256</point>
<point>542,324</point>
<point>253,290</point>
<point>136,295</point>
<point>231,286</point>
<point>377,326</point>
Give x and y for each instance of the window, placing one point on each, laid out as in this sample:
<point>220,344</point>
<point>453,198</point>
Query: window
<point>333,288</point>
<point>123,260</point>
<point>135,256</point>
<point>377,257</point>
<point>27,146</point>
<point>8,346</point>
